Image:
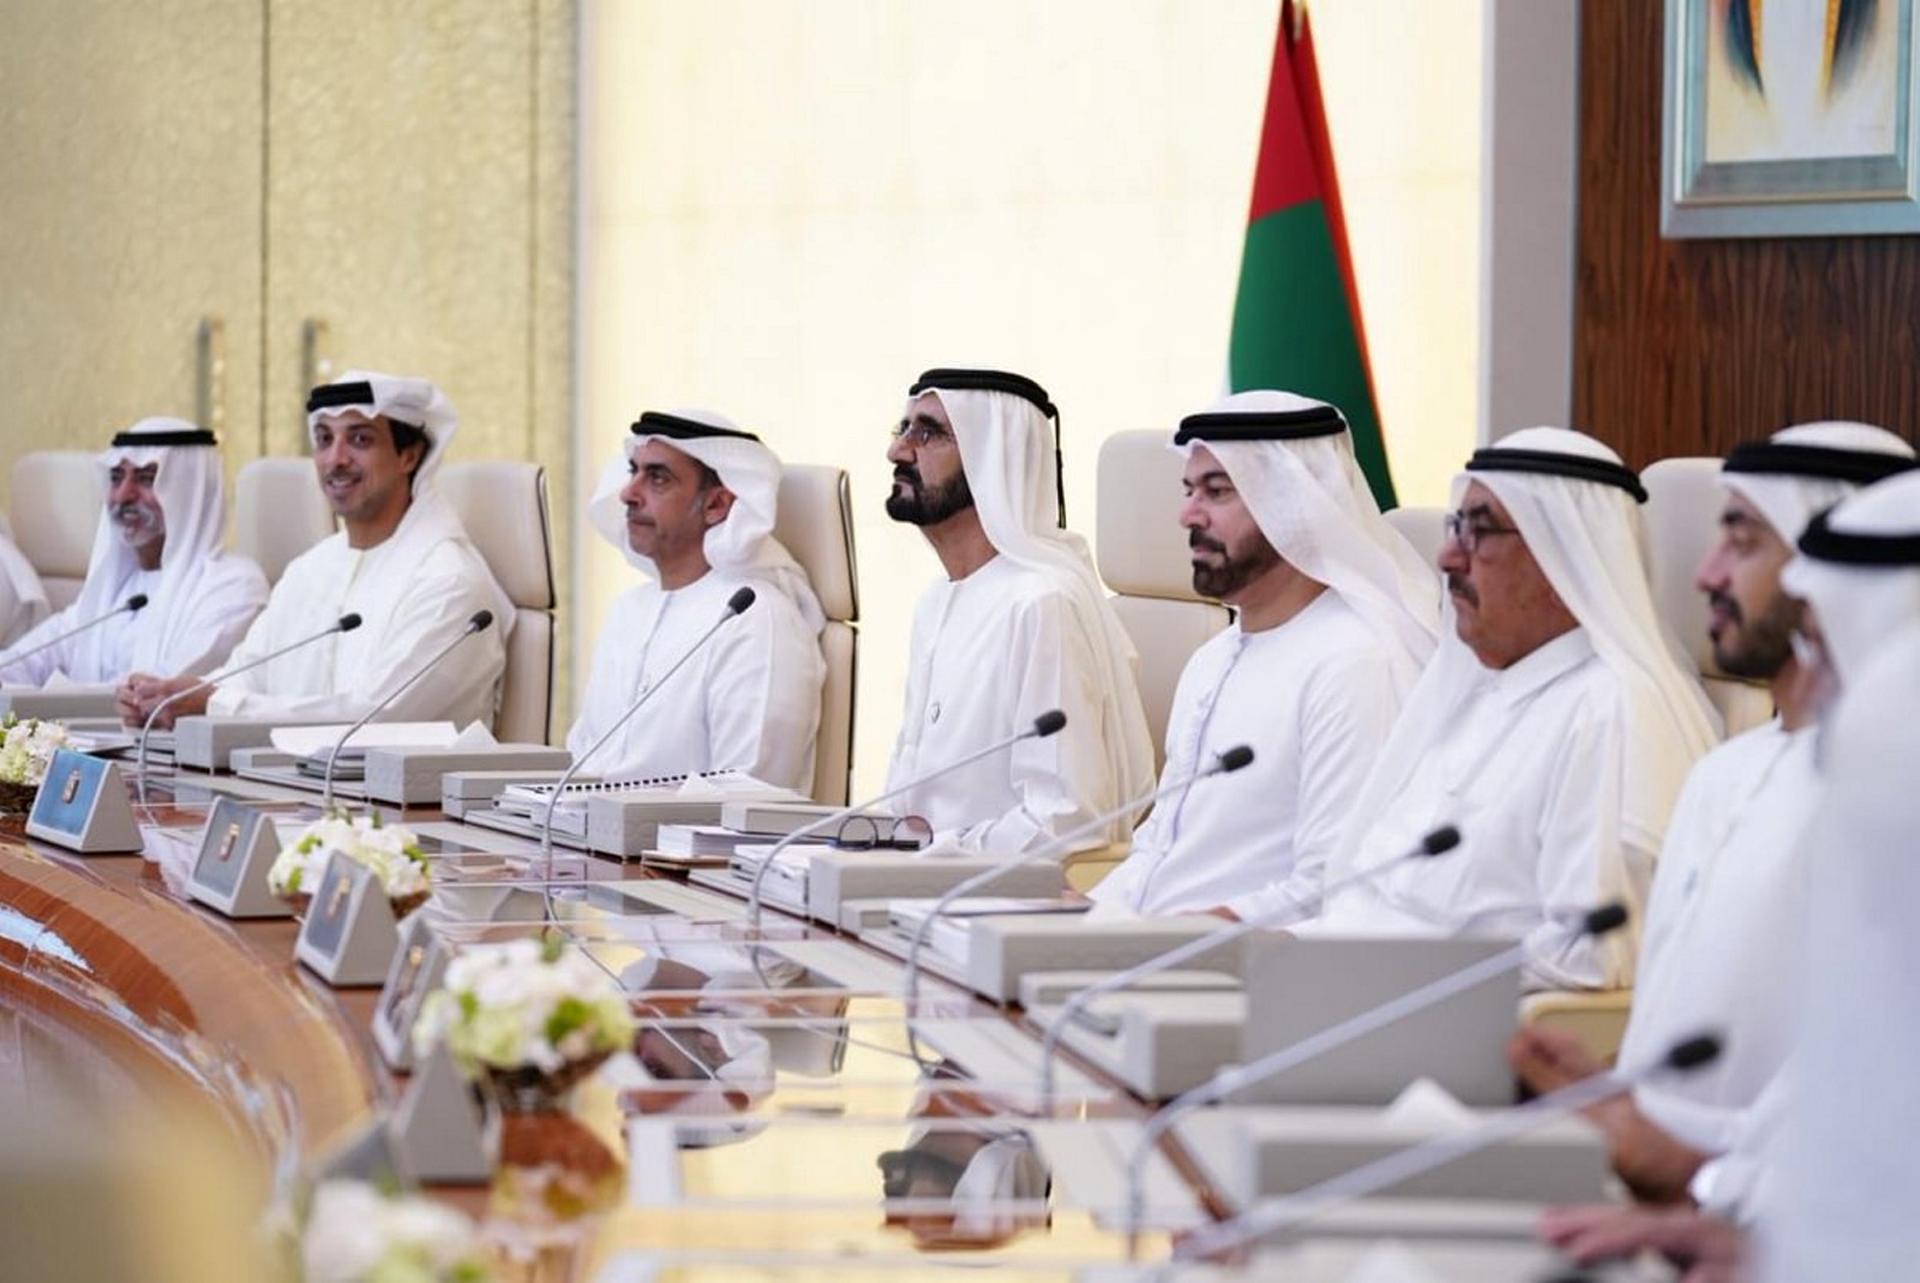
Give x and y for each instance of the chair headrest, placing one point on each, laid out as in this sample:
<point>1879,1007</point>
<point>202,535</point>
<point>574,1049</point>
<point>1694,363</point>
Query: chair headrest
<point>1138,542</point>
<point>503,505</point>
<point>278,511</point>
<point>56,508</point>
<point>815,522</point>
<point>1682,515</point>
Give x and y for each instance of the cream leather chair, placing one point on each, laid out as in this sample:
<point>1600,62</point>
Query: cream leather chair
<point>1424,528</point>
<point>1142,554</point>
<point>816,524</point>
<point>278,512</point>
<point>56,508</point>
<point>503,504</point>
<point>1683,517</point>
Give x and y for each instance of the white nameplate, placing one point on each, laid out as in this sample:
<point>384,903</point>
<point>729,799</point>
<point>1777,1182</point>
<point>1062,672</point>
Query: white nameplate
<point>349,934</point>
<point>82,805</point>
<point>237,849</point>
<point>437,1125</point>
<point>418,963</point>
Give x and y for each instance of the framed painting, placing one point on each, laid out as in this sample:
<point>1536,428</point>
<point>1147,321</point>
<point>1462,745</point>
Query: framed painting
<point>1789,118</point>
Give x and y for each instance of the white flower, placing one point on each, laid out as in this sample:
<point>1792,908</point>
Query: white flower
<point>392,851</point>
<point>516,1003</point>
<point>28,750</point>
<point>354,1234</point>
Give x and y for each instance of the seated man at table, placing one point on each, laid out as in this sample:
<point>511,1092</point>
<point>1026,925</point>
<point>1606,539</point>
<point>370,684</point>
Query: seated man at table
<point>691,504</point>
<point>1018,626</point>
<point>1553,727</point>
<point>402,562</point>
<point>158,538</point>
<point>1335,616</point>
<point>1727,906</point>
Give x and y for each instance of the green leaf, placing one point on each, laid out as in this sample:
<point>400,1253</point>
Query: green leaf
<point>568,1015</point>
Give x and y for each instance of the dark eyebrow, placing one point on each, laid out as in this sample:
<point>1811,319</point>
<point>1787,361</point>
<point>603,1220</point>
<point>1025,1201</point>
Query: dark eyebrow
<point>923,419</point>
<point>1732,519</point>
<point>1208,478</point>
<point>1479,510</point>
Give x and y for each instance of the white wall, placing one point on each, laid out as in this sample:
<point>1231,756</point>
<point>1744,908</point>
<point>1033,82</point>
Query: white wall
<point>789,210</point>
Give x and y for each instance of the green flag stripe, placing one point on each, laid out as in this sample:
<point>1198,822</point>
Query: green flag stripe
<point>1292,329</point>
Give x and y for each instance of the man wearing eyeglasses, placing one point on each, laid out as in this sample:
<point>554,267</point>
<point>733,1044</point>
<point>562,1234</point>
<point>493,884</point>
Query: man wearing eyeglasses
<point>1553,727</point>
<point>1018,626</point>
<point>691,505</point>
<point>1727,908</point>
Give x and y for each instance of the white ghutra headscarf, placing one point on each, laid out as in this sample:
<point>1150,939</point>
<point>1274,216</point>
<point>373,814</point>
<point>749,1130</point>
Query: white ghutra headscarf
<point>1577,507</point>
<point>1003,425</point>
<point>1291,459</point>
<point>743,544</point>
<point>189,485</point>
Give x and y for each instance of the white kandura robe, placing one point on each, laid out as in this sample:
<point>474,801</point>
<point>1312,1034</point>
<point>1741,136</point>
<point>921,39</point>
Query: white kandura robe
<point>1530,772</point>
<point>990,653</point>
<point>1723,941</point>
<point>187,636</point>
<point>748,701</point>
<point>23,599</point>
<point>1310,699</point>
<point>415,593</point>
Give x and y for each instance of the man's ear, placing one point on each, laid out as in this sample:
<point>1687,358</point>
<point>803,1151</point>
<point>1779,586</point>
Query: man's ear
<point>718,504</point>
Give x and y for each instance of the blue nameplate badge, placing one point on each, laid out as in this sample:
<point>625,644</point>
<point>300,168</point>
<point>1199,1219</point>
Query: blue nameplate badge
<point>82,805</point>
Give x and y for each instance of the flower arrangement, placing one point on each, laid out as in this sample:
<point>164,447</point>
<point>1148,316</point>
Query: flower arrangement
<point>25,754</point>
<point>527,1019</point>
<point>392,851</point>
<point>357,1234</point>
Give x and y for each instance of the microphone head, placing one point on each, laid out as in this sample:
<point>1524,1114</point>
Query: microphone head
<point>1691,1053</point>
<point>136,601</point>
<point>348,622</point>
<point>481,621</point>
<point>1440,841</point>
<point>1234,758</point>
<point>1608,917</point>
<point>741,599</point>
<point>1051,722</point>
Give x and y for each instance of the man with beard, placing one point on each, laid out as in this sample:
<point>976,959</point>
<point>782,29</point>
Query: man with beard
<point>1726,909</point>
<point>691,504</point>
<point>1554,726</point>
<point>158,537</point>
<point>1335,616</point>
<point>1019,626</point>
<point>402,562</point>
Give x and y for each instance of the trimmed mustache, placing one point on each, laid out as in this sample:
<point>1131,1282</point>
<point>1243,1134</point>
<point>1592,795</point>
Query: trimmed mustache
<point>126,513</point>
<point>907,473</point>
<point>1197,540</point>
<point>1462,589</point>
<point>1721,601</point>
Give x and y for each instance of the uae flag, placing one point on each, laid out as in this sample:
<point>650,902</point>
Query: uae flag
<point>1296,317</point>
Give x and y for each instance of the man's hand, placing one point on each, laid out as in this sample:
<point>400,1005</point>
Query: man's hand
<point>1549,1059</point>
<point>141,693</point>
<point>1655,1166</point>
<point>1710,1250</point>
<point>1222,911</point>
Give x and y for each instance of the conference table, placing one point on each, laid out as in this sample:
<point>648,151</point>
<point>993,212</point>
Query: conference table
<point>849,1151</point>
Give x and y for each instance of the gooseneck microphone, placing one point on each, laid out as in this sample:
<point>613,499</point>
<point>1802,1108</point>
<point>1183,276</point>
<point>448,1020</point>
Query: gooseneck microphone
<point>345,624</point>
<point>132,604</point>
<point>1051,722</point>
<point>1224,763</point>
<point>481,621</point>
<point>1438,842</point>
<point>1272,1215</point>
<point>1595,922</point>
<point>736,605</point>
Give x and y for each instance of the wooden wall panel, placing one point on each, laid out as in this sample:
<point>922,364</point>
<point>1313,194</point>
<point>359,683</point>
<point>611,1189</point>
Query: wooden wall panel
<point>1688,347</point>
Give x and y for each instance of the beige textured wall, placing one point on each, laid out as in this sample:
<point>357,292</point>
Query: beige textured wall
<point>130,195</point>
<point>789,210</point>
<point>401,171</point>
